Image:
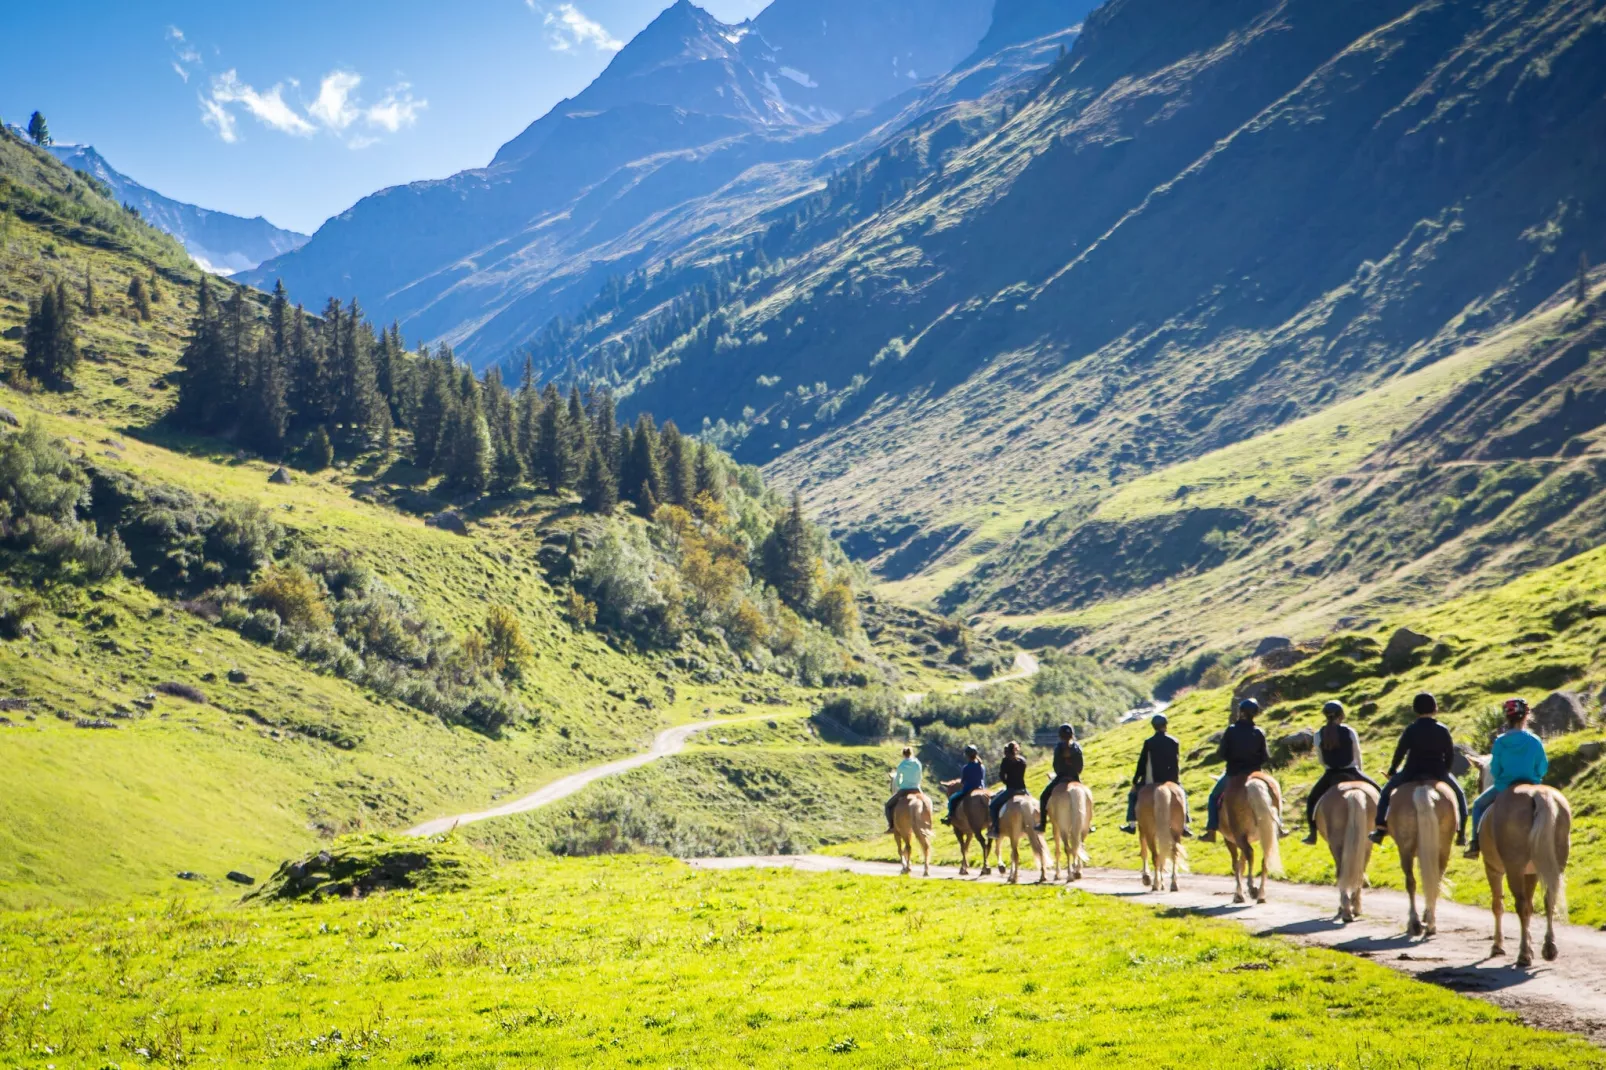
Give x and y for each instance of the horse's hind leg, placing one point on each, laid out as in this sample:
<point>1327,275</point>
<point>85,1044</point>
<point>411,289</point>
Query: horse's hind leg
<point>925,853</point>
<point>1497,907</point>
<point>1237,872</point>
<point>1549,949</point>
<point>1413,925</point>
<point>1522,893</point>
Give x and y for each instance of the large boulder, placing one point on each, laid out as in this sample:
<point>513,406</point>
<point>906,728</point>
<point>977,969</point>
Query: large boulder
<point>1283,658</point>
<point>1460,764</point>
<point>1270,643</point>
<point>1561,712</point>
<point>450,520</point>
<point>280,475</point>
<point>1299,741</point>
<point>1401,645</point>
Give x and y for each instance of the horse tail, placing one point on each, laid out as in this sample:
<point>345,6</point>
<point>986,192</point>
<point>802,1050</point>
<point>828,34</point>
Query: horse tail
<point>1265,814</point>
<point>1082,818</point>
<point>1547,862</point>
<point>1164,843</point>
<point>1424,799</point>
<point>1352,867</point>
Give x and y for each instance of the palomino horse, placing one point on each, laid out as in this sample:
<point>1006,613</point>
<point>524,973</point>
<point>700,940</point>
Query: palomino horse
<point>1344,816</point>
<point>1162,813</point>
<point>1018,821</point>
<point>1070,810</point>
<point>1422,822</point>
<point>1249,808</point>
<point>1526,834</point>
<point>971,821</point>
<point>911,821</point>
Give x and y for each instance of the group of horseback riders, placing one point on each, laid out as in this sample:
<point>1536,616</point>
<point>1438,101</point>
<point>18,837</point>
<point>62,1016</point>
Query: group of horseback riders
<point>1425,752</point>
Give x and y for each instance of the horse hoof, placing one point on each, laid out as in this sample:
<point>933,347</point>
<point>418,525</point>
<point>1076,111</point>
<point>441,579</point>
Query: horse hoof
<point>1549,951</point>
<point>1260,899</point>
<point>1173,886</point>
<point>1524,961</point>
<point>1146,881</point>
<point>1237,897</point>
<point>1497,951</point>
<point>1413,929</point>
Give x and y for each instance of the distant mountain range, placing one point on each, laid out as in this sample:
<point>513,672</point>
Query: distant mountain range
<point>218,241</point>
<point>695,125</point>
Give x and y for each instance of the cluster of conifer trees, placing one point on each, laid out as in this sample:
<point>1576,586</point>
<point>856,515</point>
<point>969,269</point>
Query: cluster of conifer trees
<point>333,381</point>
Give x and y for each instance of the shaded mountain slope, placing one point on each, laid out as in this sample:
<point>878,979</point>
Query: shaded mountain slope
<point>217,240</point>
<point>1208,222</point>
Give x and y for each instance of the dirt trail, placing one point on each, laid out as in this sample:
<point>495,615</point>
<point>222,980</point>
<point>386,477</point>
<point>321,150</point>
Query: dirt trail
<point>1568,994</point>
<point>1026,665</point>
<point>669,741</point>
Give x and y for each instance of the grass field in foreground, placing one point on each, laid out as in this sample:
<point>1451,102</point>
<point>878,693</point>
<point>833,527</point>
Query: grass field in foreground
<point>643,962</point>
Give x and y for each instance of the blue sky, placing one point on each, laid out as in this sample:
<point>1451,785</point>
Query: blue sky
<point>294,110</point>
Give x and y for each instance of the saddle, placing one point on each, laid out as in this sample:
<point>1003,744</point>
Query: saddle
<point>1242,780</point>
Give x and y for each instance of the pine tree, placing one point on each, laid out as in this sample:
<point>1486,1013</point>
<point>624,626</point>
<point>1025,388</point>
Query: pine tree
<point>640,469</point>
<point>578,427</point>
<point>139,300</point>
<point>155,289</point>
<point>279,320</point>
<point>239,349</point>
<point>710,480</point>
<point>529,416</point>
<point>466,441</point>
<point>50,345</point>
<point>605,428</point>
<point>319,452</point>
<point>200,366</point>
<point>680,482</point>
<point>553,463</point>
<point>787,558</point>
<point>304,369</point>
<point>435,403</point>
<point>89,292</point>
<point>38,129</point>
<point>266,414</point>
<point>359,401</point>
<point>508,469</point>
<point>599,493</point>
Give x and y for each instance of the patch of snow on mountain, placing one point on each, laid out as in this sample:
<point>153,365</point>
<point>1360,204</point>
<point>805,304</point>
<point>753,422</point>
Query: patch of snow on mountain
<point>799,77</point>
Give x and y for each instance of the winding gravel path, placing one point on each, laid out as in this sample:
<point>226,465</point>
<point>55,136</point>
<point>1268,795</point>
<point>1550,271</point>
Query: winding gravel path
<point>1568,994</point>
<point>669,741</point>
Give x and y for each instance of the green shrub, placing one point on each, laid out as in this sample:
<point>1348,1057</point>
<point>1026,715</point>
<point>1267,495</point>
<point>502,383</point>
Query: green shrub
<point>295,596</point>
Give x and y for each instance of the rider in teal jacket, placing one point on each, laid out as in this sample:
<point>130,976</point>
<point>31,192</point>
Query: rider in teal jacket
<point>1517,757</point>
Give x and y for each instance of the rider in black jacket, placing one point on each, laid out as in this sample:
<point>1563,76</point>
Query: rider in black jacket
<point>1013,771</point>
<point>1158,763</point>
<point>1428,753</point>
<point>1243,748</point>
<point>1067,770</point>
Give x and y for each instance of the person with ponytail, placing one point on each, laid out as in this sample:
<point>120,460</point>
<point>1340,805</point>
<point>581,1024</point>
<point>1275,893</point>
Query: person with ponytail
<point>1517,757</point>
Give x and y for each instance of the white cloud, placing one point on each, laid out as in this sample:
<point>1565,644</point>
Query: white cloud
<point>175,34</point>
<point>333,106</point>
<point>181,72</point>
<point>184,55</point>
<point>337,108</point>
<point>218,118</point>
<point>396,110</point>
<point>267,107</point>
<point>568,28</point>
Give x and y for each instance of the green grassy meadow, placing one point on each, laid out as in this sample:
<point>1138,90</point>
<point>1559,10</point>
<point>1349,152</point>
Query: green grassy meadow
<point>641,962</point>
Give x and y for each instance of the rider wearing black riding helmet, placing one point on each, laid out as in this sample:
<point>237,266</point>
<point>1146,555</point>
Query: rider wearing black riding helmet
<point>1067,770</point>
<point>1243,748</point>
<point>1341,761</point>
<point>1158,763</point>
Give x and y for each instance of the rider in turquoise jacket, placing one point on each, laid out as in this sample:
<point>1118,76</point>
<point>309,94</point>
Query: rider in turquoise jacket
<point>1517,757</point>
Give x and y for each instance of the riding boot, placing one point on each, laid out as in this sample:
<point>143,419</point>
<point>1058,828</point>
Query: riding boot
<point>1377,834</point>
<point>1187,833</point>
<point>1041,826</point>
<point>1310,837</point>
<point>1129,829</point>
<point>1472,848</point>
<point>1460,838</point>
<point>1208,837</point>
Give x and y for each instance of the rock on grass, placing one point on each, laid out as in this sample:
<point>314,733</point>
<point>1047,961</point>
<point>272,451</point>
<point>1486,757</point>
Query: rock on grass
<point>356,866</point>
